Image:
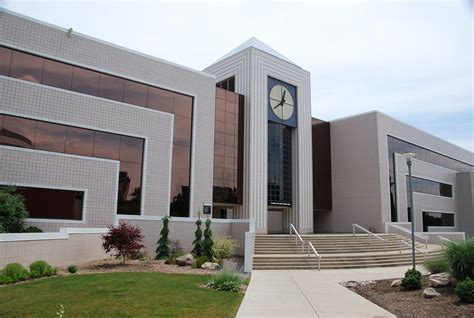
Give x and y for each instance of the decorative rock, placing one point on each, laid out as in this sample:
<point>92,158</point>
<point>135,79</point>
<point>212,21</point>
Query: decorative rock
<point>185,260</point>
<point>441,279</point>
<point>396,283</point>
<point>430,292</point>
<point>209,265</point>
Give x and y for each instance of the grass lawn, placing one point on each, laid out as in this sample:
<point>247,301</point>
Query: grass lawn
<point>118,295</point>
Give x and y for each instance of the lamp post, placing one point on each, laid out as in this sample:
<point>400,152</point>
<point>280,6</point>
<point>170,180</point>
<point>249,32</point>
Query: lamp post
<point>412,207</point>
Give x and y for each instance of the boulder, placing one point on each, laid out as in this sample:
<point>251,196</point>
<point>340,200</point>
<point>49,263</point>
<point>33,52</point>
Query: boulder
<point>441,279</point>
<point>185,260</point>
<point>209,265</point>
<point>430,292</point>
<point>396,283</point>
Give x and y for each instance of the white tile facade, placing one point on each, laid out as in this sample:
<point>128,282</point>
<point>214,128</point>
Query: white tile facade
<point>55,105</point>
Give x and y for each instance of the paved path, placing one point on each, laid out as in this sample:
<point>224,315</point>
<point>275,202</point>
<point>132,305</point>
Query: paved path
<point>307,293</point>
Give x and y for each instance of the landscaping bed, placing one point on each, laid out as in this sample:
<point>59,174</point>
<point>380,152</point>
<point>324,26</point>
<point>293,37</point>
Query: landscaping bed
<point>147,265</point>
<point>404,303</point>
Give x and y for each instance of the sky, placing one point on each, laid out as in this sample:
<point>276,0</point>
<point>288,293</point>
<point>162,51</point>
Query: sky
<point>412,60</point>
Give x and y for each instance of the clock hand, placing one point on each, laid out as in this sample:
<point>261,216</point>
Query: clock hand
<point>279,104</point>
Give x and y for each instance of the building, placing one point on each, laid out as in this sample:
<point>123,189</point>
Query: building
<point>93,133</point>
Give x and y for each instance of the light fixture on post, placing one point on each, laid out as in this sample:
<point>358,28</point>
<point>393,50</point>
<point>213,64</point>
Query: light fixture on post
<point>409,156</point>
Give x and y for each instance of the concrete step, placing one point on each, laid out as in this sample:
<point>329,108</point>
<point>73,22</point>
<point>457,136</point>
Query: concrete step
<point>337,251</point>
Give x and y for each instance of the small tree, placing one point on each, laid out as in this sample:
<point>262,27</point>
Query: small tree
<point>208,243</point>
<point>12,210</point>
<point>197,243</point>
<point>125,240</point>
<point>163,249</point>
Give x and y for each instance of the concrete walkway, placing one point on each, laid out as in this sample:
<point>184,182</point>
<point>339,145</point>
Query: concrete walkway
<point>308,293</point>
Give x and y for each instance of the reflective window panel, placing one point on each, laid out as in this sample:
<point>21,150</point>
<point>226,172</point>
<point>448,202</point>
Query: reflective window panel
<point>26,67</point>
<point>19,132</point>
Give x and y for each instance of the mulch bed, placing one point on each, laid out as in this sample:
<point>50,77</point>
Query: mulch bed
<point>147,265</point>
<point>411,303</point>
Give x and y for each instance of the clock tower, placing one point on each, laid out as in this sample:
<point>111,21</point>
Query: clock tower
<point>277,173</point>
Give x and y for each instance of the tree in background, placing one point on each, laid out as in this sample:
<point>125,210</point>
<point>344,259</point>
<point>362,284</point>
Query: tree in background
<point>208,243</point>
<point>12,210</point>
<point>125,240</point>
<point>163,249</point>
<point>197,243</point>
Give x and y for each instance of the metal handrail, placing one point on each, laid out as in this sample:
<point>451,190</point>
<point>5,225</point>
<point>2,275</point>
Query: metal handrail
<point>298,236</point>
<point>442,238</point>
<point>310,245</point>
<point>368,234</point>
<point>445,240</point>
<point>425,238</point>
<point>409,245</point>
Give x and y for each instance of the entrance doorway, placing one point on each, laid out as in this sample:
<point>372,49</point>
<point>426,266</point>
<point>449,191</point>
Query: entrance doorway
<point>275,221</point>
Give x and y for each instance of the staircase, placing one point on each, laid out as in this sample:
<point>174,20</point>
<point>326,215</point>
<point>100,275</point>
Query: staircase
<point>337,251</point>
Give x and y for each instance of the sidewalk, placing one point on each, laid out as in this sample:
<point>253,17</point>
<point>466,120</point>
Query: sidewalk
<point>308,293</point>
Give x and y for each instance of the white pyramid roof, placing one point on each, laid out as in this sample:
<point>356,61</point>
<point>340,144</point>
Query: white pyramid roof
<point>255,43</point>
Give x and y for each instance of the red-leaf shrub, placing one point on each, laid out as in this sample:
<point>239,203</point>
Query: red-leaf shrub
<point>125,240</point>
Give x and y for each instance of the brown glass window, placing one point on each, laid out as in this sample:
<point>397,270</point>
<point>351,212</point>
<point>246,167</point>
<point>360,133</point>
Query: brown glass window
<point>179,196</point>
<point>52,203</point>
<point>50,137</point>
<point>220,138</point>
<point>181,157</point>
<point>220,115</point>
<point>220,126</point>
<point>79,141</point>
<point>135,93</point>
<point>129,188</point>
<point>26,67</point>
<point>131,149</point>
<point>57,74</point>
<point>111,87</point>
<point>85,81</point>
<point>227,161</point>
<point>18,132</point>
<point>182,131</point>
<point>106,145</point>
<point>183,105</point>
<point>160,99</point>
<point>5,61</point>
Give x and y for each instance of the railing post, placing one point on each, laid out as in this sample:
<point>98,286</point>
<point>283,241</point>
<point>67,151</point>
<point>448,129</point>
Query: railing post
<point>400,247</point>
<point>353,230</point>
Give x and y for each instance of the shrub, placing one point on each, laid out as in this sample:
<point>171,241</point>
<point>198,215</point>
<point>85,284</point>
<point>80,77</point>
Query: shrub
<point>15,272</point>
<point>163,249</point>
<point>207,243</point>
<point>200,260</point>
<point>12,210</point>
<point>33,229</point>
<point>41,269</point>
<point>176,248</point>
<point>460,256</point>
<point>224,247</point>
<point>125,240</point>
<point>437,265</point>
<point>412,280</point>
<point>465,290</point>
<point>226,280</point>
<point>172,259</point>
<point>197,243</point>
<point>72,269</point>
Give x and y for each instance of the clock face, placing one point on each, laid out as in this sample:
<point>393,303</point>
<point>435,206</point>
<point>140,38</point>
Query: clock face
<point>281,102</point>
